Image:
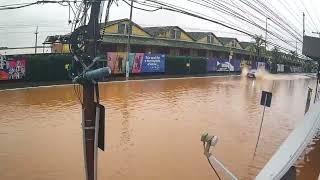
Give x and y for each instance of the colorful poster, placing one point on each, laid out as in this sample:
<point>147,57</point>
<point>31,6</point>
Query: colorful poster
<point>137,61</point>
<point>12,69</point>
<point>261,66</point>
<point>280,68</point>
<point>152,63</point>
<point>223,65</point>
<point>236,63</point>
<point>117,62</point>
<point>212,65</point>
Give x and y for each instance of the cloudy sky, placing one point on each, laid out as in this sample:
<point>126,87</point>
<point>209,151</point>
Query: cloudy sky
<point>17,27</point>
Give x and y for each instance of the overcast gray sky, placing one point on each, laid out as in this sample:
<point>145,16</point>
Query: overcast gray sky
<point>17,27</point>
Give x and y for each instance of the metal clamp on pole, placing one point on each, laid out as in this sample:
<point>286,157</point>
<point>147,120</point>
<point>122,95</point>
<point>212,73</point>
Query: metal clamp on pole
<point>93,75</point>
<point>209,141</point>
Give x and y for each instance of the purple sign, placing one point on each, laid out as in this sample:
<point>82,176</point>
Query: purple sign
<point>212,65</point>
<point>236,64</point>
<point>221,64</point>
<point>153,63</point>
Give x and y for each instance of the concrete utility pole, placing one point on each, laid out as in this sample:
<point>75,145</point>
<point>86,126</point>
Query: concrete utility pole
<point>304,24</point>
<point>36,43</point>
<point>88,106</point>
<point>129,30</point>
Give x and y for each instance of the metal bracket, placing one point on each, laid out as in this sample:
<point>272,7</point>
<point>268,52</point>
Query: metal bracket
<point>209,141</point>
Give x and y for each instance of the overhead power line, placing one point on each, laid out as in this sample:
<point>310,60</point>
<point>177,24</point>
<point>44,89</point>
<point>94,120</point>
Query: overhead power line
<point>173,8</point>
<point>23,5</point>
<point>315,25</point>
<point>224,9</point>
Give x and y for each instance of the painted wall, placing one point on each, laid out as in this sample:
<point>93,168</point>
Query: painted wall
<point>204,40</point>
<point>66,48</point>
<point>185,37</point>
<point>113,29</point>
<point>136,31</point>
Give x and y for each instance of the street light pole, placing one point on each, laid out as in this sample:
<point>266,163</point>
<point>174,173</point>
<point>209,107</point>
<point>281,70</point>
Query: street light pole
<point>266,36</point>
<point>36,43</point>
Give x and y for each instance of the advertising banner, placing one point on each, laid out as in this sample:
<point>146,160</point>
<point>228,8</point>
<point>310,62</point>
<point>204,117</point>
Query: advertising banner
<point>236,63</point>
<point>220,64</point>
<point>295,69</point>
<point>138,62</point>
<point>261,66</point>
<point>117,62</point>
<point>153,63</point>
<point>280,68</point>
<point>212,65</point>
<point>223,65</point>
<point>12,69</point>
<point>135,62</point>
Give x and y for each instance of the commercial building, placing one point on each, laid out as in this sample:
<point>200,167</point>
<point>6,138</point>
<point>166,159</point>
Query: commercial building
<point>169,40</point>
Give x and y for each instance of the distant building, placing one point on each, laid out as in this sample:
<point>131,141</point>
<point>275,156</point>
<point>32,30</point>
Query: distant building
<point>169,40</point>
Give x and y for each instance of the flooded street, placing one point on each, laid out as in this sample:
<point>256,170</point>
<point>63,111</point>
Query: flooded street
<point>153,128</point>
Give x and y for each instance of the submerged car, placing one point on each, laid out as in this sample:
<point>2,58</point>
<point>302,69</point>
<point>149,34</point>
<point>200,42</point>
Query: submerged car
<point>252,73</point>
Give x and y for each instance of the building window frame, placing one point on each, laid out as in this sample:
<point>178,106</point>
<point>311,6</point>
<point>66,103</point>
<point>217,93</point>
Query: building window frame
<point>233,43</point>
<point>210,39</point>
<point>175,34</point>
<point>124,29</point>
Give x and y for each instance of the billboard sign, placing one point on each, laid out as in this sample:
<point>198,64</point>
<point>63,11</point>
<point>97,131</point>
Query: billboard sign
<point>135,62</point>
<point>223,65</point>
<point>212,65</point>
<point>261,66</point>
<point>12,69</point>
<point>280,68</point>
<point>117,62</point>
<point>153,63</point>
<point>236,63</point>
<point>146,63</point>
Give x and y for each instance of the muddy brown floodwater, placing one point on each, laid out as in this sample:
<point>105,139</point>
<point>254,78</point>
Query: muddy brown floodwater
<point>153,129</point>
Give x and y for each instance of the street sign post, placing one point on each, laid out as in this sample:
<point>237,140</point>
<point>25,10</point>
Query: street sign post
<point>266,98</point>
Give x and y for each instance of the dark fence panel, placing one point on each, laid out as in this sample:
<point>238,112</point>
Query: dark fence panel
<point>47,67</point>
<point>176,65</point>
<point>198,65</point>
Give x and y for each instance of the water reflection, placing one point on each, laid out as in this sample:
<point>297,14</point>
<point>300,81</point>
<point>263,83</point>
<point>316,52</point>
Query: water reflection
<point>153,128</point>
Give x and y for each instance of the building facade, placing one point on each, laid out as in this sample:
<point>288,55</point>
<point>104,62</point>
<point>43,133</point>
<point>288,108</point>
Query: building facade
<point>169,40</point>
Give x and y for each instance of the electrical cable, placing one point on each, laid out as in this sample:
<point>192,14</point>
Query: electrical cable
<point>149,10</point>
<point>183,12</point>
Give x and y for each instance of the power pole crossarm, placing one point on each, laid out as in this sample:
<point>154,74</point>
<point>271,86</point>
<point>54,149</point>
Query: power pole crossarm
<point>304,24</point>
